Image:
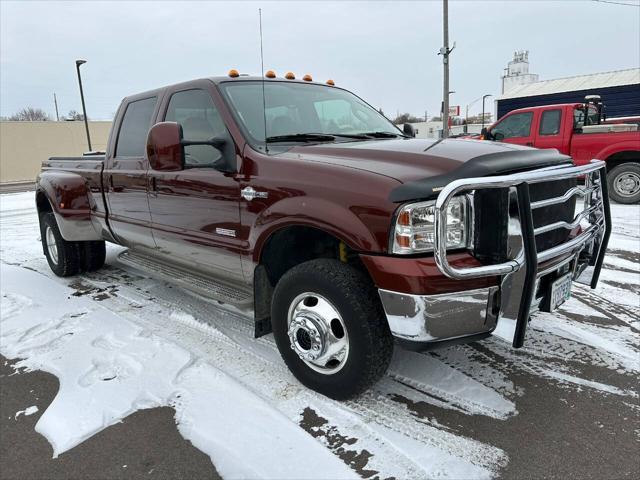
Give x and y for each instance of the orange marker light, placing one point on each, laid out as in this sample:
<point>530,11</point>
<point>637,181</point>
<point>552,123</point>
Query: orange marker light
<point>307,78</point>
<point>233,73</point>
<point>270,74</point>
<point>403,219</point>
<point>331,82</point>
<point>290,76</point>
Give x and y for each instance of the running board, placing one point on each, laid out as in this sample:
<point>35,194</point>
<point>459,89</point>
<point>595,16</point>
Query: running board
<point>191,281</point>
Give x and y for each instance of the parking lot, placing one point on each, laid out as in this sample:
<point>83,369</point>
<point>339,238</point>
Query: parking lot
<point>133,377</point>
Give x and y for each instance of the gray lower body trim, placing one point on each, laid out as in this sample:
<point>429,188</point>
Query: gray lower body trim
<point>434,318</point>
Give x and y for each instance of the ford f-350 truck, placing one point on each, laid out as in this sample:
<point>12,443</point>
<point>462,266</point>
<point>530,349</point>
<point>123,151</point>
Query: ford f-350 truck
<point>582,131</point>
<point>341,232</point>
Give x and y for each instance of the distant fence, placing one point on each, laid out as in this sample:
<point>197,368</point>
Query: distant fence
<point>23,145</point>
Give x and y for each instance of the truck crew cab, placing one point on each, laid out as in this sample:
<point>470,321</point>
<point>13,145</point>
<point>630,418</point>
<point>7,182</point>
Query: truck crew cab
<point>300,201</point>
<point>582,131</point>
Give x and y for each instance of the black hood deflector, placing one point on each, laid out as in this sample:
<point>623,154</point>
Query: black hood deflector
<point>500,163</point>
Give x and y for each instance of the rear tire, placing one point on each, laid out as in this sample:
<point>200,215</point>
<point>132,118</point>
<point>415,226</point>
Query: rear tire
<point>64,257</point>
<point>624,183</point>
<point>93,255</point>
<point>355,323</point>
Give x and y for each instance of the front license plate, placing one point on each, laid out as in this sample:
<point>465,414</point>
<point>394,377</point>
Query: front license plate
<point>560,291</point>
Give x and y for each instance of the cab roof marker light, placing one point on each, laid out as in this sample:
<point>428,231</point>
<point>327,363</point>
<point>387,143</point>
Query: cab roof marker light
<point>270,74</point>
<point>307,78</point>
<point>233,73</point>
<point>331,82</point>
<point>290,76</point>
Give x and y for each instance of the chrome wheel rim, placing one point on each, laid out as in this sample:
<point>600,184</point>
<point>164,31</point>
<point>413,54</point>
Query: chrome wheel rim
<point>317,333</point>
<point>627,184</point>
<point>52,246</point>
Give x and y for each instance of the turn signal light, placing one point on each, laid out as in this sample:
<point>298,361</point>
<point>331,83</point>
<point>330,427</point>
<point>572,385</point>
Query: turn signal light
<point>331,82</point>
<point>270,74</point>
<point>233,73</point>
<point>307,78</point>
<point>290,76</point>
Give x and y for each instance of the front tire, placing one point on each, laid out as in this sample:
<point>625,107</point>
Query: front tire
<point>624,183</point>
<point>330,328</point>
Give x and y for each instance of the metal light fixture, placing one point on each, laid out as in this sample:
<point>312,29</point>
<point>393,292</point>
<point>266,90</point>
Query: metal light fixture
<point>84,109</point>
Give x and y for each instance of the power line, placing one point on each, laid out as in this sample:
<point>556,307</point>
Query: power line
<point>618,3</point>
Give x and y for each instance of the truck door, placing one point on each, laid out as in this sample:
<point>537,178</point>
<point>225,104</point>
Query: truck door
<point>195,212</point>
<point>125,175</point>
<point>549,133</point>
<point>515,128</point>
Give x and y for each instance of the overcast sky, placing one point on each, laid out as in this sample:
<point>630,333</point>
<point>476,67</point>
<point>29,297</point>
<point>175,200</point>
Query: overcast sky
<point>383,51</point>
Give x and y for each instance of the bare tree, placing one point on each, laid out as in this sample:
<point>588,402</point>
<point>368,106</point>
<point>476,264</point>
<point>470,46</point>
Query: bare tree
<point>73,115</point>
<point>406,118</point>
<point>30,114</point>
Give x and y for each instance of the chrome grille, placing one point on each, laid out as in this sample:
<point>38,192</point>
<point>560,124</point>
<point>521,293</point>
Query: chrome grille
<point>549,213</point>
<point>556,225</point>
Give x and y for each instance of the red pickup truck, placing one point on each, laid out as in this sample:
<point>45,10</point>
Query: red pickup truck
<point>581,131</point>
<point>299,201</point>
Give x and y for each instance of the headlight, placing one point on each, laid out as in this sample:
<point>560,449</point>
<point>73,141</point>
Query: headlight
<point>414,228</point>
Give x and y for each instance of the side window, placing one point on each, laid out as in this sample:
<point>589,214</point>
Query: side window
<point>516,125</point>
<point>132,136</point>
<point>200,120</point>
<point>550,122</point>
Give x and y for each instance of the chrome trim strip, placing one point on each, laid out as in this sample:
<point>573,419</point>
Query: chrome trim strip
<point>581,191</point>
<point>569,226</point>
<point>570,245</point>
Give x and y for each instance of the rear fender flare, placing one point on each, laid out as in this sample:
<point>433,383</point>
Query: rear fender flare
<point>626,146</point>
<point>71,203</point>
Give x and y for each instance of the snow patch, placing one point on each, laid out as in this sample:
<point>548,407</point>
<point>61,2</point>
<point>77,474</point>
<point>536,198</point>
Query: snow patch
<point>26,412</point>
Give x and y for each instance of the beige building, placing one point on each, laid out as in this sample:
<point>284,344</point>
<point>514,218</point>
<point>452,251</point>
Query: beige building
<point>23,145</point>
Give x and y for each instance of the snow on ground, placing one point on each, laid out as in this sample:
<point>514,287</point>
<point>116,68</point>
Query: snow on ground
<point>120,341</point>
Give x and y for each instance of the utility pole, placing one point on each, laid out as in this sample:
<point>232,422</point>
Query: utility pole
<point>55,102</point>
<point>484,97</point>
<point>445,51</point>
<point>84,110</point>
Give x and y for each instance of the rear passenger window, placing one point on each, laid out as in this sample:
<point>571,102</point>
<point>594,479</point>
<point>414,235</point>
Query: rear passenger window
<point>550,122</point>
<point>132,138</point>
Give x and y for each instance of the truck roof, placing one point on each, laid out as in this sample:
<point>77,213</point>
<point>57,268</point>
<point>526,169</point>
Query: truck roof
<point>218,80</point>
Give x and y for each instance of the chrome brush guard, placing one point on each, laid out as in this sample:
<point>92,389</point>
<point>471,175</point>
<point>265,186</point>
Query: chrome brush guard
<point>521,271</point>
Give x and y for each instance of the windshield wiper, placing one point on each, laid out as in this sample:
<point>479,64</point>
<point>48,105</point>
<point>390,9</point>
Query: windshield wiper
<point>301,137</point>
<point>382,134</point>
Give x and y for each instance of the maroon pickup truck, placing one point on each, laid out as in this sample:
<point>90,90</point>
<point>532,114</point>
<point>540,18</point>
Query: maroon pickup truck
<point>342,233</point>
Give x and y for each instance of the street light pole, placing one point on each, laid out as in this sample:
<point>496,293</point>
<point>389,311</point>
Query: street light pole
<point>484,97</point>
<point>84,109</point>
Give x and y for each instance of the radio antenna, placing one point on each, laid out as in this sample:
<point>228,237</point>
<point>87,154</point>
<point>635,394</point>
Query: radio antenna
<point>264,101</point>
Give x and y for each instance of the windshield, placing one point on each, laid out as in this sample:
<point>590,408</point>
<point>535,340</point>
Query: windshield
<point>296,108</point>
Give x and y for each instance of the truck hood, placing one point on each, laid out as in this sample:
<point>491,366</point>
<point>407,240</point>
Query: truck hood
<point>424,165</point>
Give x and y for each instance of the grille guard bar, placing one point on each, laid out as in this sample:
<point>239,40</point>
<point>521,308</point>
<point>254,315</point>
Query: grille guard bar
<point>521,182</point>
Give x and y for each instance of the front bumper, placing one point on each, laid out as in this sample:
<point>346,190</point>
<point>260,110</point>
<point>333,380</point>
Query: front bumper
<point>432,319</point>
<point>518,286</point>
